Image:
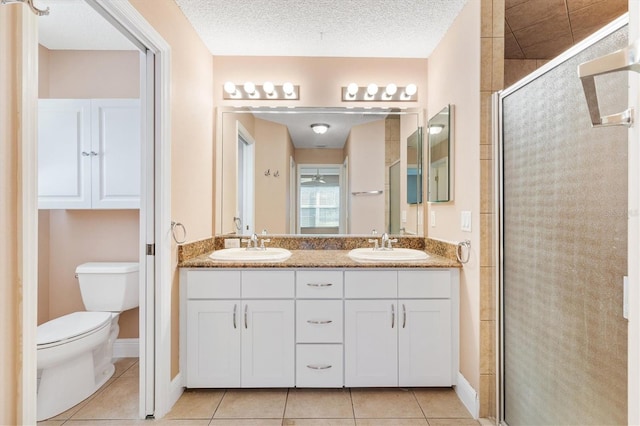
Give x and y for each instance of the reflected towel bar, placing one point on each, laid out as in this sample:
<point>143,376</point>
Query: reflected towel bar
<point>367,193</point>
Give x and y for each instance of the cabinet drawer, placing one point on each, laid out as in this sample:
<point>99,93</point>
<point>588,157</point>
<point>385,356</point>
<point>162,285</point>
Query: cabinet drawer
<point>319,366</point>
<point>319,284</point>
<point>268,284</point>
<point>434,284</point>
<point>319,321</point>
<point>370,284</point>
<point>213,284</point>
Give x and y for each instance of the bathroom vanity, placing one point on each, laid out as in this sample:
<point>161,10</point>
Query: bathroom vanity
<point>319,319</point>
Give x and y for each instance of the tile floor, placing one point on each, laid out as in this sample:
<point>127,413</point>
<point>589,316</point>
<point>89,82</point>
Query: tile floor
<point>116,403</point>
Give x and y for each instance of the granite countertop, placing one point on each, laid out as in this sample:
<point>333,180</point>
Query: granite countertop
<point>319,259</point>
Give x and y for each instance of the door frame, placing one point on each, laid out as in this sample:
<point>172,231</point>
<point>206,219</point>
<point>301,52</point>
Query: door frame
<point>155,304</point>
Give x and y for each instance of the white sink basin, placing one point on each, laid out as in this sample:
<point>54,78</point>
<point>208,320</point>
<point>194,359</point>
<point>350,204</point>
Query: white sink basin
<point>270,254</point>
<point>395,255</point>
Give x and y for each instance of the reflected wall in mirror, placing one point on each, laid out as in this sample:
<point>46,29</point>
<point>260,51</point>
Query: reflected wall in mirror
<point>440,150</point>
<point>339,182</point>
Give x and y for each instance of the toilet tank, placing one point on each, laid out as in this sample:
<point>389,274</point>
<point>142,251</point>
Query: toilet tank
<point>109,286</point>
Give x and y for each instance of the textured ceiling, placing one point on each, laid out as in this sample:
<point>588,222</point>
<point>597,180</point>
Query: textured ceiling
<point>339,28</point>
<point>542,29</point>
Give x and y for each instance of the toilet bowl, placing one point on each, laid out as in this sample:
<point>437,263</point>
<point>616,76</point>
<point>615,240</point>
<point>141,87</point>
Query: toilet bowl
<point>74,352</point>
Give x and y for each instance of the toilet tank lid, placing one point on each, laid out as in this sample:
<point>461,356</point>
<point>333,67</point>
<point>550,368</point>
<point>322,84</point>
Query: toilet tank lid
<point>107,267</point>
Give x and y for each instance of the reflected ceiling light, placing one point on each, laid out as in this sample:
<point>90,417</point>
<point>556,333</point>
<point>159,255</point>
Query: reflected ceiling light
<point>320,128</point>
<point>434,129</point>
<point>372,92</point>
<point>230,87</point>
<point>267,91</point>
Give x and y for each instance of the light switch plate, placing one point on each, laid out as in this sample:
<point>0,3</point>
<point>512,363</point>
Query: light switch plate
<point>433,219</point>
<point>465,221</point>
<point>404,216</point>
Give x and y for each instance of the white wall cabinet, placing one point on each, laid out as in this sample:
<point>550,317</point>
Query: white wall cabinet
<point>236,342</point>
<point>89,153</point>
<point>324,328</point>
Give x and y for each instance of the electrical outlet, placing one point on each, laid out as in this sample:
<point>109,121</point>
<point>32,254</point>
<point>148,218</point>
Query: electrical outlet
<point>404,216</point>
<point>231,242</point>
<point>433,219</point>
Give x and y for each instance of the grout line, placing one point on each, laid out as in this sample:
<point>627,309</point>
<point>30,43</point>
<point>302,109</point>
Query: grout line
<point>286,401</point>
<point>419,405</point>
<point>224,393</point>
<point>353,409</point>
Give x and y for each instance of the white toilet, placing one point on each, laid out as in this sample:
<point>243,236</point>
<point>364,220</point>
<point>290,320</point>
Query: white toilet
<point>75,350</point>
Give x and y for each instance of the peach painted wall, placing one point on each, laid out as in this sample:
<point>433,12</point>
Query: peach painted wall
<point>272,147</point>
<point>319,156</point>
<point>454,78</point>
<point>9,222</point>
<point>365,150</point>
<point>192,130</point>
<point>84,75</point>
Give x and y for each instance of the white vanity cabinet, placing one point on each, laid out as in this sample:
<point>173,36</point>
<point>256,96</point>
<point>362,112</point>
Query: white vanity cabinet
<point>400,328</point>
<point>319,328</point>
<point>239,328</point>
<point>89,153</point>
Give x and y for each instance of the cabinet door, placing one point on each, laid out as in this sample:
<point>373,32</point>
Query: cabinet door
<point>371,343</point>
<point>213,343</point>
<point>425,354</point>
<point>64,154</point>
<point>268,346</point>
<point>116,141</point>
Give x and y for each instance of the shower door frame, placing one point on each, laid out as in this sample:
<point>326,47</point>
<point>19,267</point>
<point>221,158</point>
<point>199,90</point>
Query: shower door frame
<point>632,18</point>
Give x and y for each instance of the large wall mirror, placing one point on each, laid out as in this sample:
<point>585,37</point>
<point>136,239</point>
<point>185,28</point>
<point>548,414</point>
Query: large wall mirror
<point>440,150</point>
<point>319,171</point>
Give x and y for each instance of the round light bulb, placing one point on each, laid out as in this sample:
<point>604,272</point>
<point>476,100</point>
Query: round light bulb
<point>268,87</point>
<point>288,88</point>
<point>391,89</point>
<point>352,89</point>
<point>249,88</point>
<point>372,89</point>
<point>230,88</point>
<point>411,89</point>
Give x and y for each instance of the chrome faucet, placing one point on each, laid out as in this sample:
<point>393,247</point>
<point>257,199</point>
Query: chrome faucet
<point>252,242</point>
<point>385,242</point>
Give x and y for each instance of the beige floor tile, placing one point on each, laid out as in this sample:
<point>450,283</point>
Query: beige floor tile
<point>319,422</point>
<point>385,404</point>
<point>252,404</point>
<point>133,371</point>
<point>196,404</point>
<point>121,422</point>
<point>245,422</point>
<point>319,404</point>
<point>122,365</point>
<point>73,410</point>
<point>51,423</point>
<point>441,403</point>
<point>453,422</point>
<point>392,422</point>
<point>118,401</point>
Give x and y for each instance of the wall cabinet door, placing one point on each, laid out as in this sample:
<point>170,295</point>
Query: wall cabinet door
<point>268,343</point>
<point>424,343</point>
<point>89,153</point>
<point>64,153</point>
<point>371,343</point>
<point>213,343</point>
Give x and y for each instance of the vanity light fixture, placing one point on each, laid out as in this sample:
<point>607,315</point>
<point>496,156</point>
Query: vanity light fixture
<point>320,128</point>
<point>267,91</point>
<point>371,92</point>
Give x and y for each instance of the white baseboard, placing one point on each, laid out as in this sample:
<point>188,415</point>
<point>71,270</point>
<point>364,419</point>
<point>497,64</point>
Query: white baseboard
<point>468,396</point>
<point>126,348</point>
<point>176,390</point>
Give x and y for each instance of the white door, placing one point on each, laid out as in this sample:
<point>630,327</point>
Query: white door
<point>245,181</point>
<point>213,344</point>
<point>115,126</point>
<point>64,153</point>
<point>424,343</point>
<point>371,343</point>
<point>268,343</point>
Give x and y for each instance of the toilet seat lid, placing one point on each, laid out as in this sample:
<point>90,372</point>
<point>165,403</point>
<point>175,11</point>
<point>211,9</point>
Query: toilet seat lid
<point>70,326</point>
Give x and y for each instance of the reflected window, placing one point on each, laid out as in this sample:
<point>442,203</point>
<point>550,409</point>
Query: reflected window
<point>319,200</point>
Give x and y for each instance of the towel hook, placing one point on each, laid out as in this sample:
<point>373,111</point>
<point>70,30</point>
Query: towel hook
<point>175,225</point>
<point>460,251</point>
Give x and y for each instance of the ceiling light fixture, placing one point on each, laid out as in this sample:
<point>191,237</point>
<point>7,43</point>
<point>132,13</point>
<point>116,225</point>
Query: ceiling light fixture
<point>434,129</point>
<point>267,91</point>
<point>371,92</point>
<point>320,128</point>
